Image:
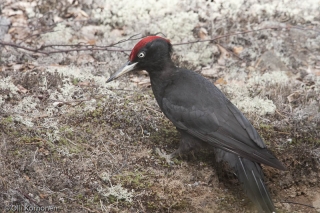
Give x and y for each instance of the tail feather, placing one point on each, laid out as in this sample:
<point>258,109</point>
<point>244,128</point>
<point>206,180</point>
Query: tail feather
<point>251,178</point>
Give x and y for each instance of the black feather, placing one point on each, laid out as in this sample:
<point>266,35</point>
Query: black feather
<point>251,178</point>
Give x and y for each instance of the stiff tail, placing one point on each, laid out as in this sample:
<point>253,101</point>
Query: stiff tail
<point>251,178</point>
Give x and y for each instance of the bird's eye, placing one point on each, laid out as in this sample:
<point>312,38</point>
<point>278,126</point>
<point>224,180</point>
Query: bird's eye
<point>141,54</point>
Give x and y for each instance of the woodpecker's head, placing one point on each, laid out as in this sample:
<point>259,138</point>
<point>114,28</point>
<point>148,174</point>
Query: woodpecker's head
<point>152,53</point>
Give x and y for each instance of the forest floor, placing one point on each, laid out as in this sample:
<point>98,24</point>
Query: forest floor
<point>71,142</point>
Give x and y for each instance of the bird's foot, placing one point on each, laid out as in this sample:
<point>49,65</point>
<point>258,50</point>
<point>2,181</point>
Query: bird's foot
<point>165,156</point>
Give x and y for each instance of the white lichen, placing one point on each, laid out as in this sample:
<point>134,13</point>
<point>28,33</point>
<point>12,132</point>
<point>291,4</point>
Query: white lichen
<point>255,105</point>
<point>60,34</point>
<point>27,121</point>
<point>118,192</point>
<point>241,93</point>
<point>268,79</point>
<point>7,84</point>
<point>64,151</point>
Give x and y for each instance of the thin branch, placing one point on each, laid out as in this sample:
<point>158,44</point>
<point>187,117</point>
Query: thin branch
<point>297,204</point>
<point>34,156</point>
<point>228,35</point>
<point>112,47</point>
<point>244,32</point>
<point>40,50</point>
<point>28,197</point>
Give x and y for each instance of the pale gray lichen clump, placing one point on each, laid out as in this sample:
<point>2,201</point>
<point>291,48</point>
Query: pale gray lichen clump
<point>116,191</point>
<point>60,34</point>
<point>6,84</point>
<point>22,111</point>
<point>241,93</point>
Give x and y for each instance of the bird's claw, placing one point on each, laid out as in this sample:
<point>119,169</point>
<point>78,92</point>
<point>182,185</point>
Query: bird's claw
<point>165,156</point>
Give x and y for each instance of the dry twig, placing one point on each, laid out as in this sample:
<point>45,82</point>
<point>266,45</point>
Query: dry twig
<point>47,49</point>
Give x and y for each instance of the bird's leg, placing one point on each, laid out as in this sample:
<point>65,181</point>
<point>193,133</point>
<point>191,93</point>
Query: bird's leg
<point>187,144</point>
<point>174,154</point>
<point>167,157</point>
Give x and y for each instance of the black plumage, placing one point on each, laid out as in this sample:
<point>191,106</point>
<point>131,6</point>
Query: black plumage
<point>204,116</point>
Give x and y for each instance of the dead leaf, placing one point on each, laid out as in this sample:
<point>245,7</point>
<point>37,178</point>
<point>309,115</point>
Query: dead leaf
<point>57,19</point>
<point>203,33</point>
<point>294,96</point>
<point>44,151</point>
<point>22,89</point>
<point>30,66</point>
<point>84,14</point>
<point>92,42</point>
<point>220,81</point>
<point>315,71</point>
<point>84,58</point>
<point>57,104</point>
<point>237,50</point>
<point>26,177</point>
<point>12,30</point>
<point>77,13</point>
<point>116,33</point>
<point>17,66</point>
<point>224,55</point>
<point>211,72</point>
<point>84,84</point>
<point>42,196</point>
<point>135,79</point>
<point>145,81</point>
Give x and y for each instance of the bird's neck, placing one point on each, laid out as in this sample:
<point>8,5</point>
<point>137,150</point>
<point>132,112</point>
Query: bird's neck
<point>161,79</point>
<point>163,72</point>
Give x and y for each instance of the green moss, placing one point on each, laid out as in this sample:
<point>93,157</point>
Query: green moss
<point>177,161</point>
<point>298,137</point>
<point>76,150</point>
<point>80,197</point>
<point>17,153</point>
<point>50,145</point>
<point>31,140</point>
<point>25,139</point>
<point>55,155</point>
<point>183,204</point>
<point>63,141</point>
<point>151,205</point>
<point>96,113</point>
<point>67,131</point>
<point>112,199</point>
<point>7,120</point>
<point>126,102</point>
<point>16,133</point>
<point>137,96</point>
<point>135,180</point>
<point>166,135</point>
<point>89,130</point>
<point>96,198</point>
<point>116,125</point>
<point>75,81</point>
<point>8,127</point>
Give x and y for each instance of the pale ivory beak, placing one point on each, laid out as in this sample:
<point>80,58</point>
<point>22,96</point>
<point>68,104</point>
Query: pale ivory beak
<point>123,70</point>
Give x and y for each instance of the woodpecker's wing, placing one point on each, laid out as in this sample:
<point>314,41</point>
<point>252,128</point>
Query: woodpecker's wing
<point>196,106</point>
